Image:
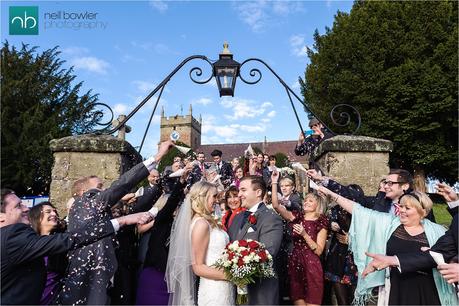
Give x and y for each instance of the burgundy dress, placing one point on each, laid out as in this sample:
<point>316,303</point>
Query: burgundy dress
<point>305,269</point>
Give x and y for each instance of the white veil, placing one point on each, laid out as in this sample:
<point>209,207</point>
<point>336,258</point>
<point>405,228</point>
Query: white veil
<point>179,274</point>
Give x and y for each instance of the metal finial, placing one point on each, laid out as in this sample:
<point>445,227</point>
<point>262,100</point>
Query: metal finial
<point>225,48</point>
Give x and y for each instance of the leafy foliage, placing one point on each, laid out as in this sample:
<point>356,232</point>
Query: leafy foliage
<point>40,102</point>
<point>396,62</point>
<point>168,159</point>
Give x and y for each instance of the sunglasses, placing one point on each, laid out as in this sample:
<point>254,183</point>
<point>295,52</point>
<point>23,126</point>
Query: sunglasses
<point>390,183</point>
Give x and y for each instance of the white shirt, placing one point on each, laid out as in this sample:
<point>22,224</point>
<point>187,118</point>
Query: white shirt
<point>254,208</point>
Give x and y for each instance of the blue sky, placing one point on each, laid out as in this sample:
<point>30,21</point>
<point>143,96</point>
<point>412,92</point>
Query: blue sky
<point>129,47</point>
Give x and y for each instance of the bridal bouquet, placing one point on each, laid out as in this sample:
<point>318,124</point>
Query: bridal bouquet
<point>243,261</point>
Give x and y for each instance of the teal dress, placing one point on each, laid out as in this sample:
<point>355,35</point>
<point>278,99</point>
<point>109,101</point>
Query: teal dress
<point>369,232</point>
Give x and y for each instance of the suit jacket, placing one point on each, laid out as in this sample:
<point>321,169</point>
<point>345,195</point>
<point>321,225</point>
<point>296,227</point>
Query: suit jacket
<point>92,267</point>
<point>23,274</point>
<point>195,175</point>
<point>151,194</point>
<point>267,230</point>
<point>226,172</point>
<point>158,246</point>
<point>446,245</point>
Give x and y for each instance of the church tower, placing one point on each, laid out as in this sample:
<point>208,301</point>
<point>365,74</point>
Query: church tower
<point>188,127</point>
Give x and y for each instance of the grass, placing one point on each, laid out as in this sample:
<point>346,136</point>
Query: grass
<point>442,216</point>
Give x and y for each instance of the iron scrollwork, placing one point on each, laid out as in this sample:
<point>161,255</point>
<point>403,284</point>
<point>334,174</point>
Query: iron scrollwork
<point>98,115</point>
<point>197,71</point>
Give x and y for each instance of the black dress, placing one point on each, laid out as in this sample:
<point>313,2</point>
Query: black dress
<point>411,288</point>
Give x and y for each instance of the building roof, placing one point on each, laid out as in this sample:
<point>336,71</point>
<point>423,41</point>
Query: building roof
<point>233,150</point>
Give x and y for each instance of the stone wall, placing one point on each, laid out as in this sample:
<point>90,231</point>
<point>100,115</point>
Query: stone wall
<point>103,155</point>
<point>355,160</point>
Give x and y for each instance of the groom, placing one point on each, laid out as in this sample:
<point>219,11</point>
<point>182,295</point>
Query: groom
<point>265,226</point>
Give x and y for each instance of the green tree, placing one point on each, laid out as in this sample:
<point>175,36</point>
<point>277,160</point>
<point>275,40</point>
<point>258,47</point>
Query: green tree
<point>168,159</point>
<point>281,160</point>
<point>396,62</point>
<point>39,102</point>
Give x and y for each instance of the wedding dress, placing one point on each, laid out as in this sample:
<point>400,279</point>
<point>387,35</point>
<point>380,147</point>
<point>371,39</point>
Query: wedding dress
<point>212,292</point>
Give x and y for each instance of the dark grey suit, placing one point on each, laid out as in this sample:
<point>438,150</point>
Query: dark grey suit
<point>267,230</point>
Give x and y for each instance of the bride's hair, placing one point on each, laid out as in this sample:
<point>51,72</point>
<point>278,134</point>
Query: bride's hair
<point>198,196</point>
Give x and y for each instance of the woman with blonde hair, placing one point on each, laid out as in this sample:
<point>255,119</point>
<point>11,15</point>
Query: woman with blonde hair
<point>309,233</point>
<point>385,233</point>
<point>196,243</point>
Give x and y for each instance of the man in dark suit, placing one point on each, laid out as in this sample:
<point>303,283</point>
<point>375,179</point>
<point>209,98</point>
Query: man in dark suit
<point>23,272</point>
<point>224,169</point>
<point>267,230</point>
<point>198,171</point>
<point>447,245</point>
<point>92,267</point>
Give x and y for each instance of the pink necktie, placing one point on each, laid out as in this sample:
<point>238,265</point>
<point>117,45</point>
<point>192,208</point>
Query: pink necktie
<point>397,209</point>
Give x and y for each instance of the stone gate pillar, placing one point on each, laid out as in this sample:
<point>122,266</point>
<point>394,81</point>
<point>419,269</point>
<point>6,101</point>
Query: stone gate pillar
<point>75,156</point>
<point>355,160</point>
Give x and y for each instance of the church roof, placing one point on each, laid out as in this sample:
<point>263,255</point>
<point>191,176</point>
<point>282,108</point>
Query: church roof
<point>233,150</point>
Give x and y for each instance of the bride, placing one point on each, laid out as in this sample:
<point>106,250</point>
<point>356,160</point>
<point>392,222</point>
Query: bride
<point>196,243</point>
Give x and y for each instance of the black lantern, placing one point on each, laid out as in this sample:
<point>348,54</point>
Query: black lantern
<point>226,70</point>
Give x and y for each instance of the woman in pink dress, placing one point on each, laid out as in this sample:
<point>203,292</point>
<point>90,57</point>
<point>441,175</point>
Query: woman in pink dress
<point>309,228</point>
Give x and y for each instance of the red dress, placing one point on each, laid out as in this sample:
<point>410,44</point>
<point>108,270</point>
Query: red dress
<point>304,267</point>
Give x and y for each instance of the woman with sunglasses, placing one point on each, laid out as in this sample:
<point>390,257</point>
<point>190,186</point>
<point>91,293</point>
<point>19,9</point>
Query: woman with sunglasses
<point>45,221</point>
<point>386,233</point>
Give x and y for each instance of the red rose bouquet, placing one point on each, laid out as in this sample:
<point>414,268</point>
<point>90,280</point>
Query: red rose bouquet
<point>243,261</point>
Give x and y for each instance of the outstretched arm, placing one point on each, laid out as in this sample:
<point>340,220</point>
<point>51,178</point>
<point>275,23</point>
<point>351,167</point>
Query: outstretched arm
<point>346,204</point>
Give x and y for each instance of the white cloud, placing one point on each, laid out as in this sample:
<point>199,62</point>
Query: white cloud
<point>295,85</point>
<point>284,8</point>
<point>119,109</point>
<point>244,108</point>
<point>212,132</point>
<point>253,13</point>
<point>202,101</point>
<point>160,6</point>
<point>298,46</point>
<point>90,63</point>
<point>144,86</point>
<point>260,14</point>
<point>271,114</point>
<point>266,105</point>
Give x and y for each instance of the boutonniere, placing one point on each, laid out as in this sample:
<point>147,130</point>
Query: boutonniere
<point>252,219</point>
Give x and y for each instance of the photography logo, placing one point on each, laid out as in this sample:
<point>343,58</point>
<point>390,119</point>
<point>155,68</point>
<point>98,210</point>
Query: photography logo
<point>23,20</point>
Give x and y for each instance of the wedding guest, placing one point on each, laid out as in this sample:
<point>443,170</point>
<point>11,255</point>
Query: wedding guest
<point>235,164</point>
<point>92,267</point>
<point>340,270</point>
<point>238,175</point>
<point>290,198</point>
<point>393,235</point>
<point>233,206</point>
<point>224,169</point>
<point>306,146</point>
<point>152,288</point>
<point>268,170</point>
<point>45,221</point>
<point>309,237</point>
<point>446,245</point>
